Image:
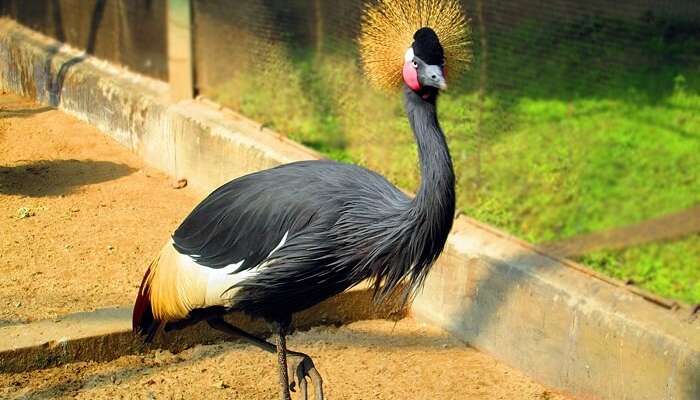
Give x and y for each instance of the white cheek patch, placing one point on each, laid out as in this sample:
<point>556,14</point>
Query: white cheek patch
<point>408,56</point>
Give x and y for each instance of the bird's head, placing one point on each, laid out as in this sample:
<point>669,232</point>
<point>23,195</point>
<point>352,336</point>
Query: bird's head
<point>424,62</point>
<point>414,42</point>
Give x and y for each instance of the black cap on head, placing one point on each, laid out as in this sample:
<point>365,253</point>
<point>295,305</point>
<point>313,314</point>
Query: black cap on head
<point>427,47</point>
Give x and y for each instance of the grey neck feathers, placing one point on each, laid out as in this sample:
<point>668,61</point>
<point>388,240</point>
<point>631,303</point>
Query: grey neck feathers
<point>420,231</point>
<point>435,200</point>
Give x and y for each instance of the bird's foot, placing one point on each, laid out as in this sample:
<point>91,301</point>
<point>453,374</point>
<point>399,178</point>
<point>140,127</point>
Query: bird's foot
<point>301,366</point>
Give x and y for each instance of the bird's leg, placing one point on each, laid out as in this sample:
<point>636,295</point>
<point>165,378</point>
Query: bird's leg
<point>302,365</point>
<point>219,324</point>
<point>282,361</point>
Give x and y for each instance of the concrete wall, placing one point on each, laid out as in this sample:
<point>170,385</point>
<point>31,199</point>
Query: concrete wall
<point>560,325</point>
<point>548,317</point>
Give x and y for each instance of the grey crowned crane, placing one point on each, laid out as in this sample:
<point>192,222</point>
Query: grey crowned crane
<point>278,241</point>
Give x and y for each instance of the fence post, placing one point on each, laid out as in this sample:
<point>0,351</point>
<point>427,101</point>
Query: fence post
<point>180,61</point>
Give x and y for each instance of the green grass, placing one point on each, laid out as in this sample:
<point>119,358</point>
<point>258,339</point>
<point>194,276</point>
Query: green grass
<point>669,268</point>
<point>584,127</point>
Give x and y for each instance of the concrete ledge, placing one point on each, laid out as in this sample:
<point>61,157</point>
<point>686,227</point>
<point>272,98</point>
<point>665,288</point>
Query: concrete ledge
<point>105,334</point>
<point>569,329</point>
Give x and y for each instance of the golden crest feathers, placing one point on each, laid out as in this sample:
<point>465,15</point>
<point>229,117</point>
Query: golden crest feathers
<point>387,31</point>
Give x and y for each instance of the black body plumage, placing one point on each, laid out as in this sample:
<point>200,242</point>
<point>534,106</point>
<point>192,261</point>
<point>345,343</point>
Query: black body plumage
<point>342,224</point>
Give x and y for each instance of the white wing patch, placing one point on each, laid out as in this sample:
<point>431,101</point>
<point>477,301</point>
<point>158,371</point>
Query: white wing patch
<point>280,244</point>
<point>219,281</point>
<point>214,281</point>
<point>266,261</point>
<point>178,284</point>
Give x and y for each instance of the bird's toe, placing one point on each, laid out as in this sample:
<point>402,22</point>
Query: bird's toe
<point>301,367</point>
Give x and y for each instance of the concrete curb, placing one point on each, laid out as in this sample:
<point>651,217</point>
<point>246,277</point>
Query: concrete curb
<point>105,334</point>
<point>568,329</point>
<point>565,328</point>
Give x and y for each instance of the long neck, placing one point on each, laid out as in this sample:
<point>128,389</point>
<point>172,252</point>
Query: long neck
<point>435,201</point>
<point>410,242</point>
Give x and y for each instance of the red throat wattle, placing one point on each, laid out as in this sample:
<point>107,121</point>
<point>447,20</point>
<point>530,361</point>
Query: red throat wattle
<point>410,76</point>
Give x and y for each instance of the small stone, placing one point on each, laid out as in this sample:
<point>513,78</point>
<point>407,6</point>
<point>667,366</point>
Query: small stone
<point>74,209</point>
<point>179,184</point>
<point>25,212</point>
<point>18,304</point>
<point>110,248</point>
<point>220,385</point>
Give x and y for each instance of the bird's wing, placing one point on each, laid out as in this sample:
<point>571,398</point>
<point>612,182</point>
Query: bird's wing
<point>243,222</point>
<point>230,234</point>
<point>285,216</point>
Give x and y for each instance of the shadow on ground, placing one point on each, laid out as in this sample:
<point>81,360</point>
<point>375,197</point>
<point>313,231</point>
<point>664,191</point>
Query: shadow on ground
<point>24,112</point>
<point>57,177</point>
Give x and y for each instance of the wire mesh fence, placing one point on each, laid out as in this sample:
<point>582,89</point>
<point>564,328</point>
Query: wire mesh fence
<point>129,32</point>
<point>575,118</point>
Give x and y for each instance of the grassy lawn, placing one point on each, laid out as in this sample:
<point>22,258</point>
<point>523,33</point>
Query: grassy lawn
<point>669,268</point>
<point>583,127</point>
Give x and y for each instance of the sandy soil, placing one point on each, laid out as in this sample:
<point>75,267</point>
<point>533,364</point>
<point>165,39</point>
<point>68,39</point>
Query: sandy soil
<point>364,360</point>
<point>80,216</point>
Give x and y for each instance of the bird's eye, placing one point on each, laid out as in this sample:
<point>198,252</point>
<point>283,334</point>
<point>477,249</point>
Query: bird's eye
<point>415,64</point>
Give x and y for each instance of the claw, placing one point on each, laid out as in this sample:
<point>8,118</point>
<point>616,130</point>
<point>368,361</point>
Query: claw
<point>299,371</point>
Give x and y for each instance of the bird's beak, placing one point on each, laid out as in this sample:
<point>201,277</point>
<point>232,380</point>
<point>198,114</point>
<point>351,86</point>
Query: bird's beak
<point>434,77</point>
<point>442,84</point>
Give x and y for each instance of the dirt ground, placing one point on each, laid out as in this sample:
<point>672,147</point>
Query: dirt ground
<point>364,360</point>
<point>80,216</point>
